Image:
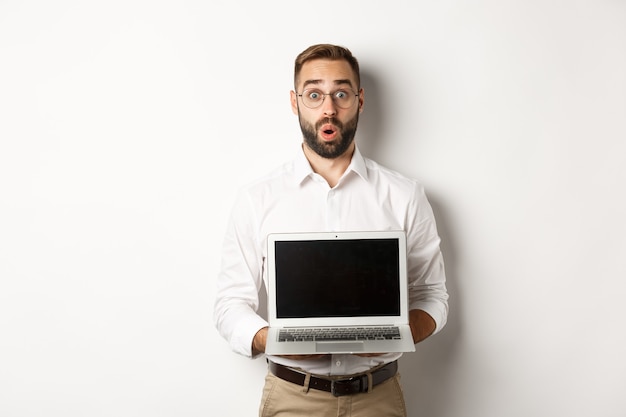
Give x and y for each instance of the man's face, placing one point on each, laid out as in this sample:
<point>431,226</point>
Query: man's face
<point>328,129</point>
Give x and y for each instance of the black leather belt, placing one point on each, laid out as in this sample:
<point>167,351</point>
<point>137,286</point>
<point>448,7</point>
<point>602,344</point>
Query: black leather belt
<point>337,387</point>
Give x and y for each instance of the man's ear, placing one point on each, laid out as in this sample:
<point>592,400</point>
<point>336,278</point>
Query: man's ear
<point>361,100</point>
<point>294,102</point>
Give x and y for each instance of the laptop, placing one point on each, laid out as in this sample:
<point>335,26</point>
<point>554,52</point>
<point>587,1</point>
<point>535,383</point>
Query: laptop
<point>337,292</point>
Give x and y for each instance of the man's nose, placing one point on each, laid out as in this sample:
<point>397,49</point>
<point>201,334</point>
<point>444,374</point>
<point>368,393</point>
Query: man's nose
<point>328,105</point>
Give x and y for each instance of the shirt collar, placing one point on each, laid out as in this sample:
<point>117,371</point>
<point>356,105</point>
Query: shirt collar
<point>302,169</point>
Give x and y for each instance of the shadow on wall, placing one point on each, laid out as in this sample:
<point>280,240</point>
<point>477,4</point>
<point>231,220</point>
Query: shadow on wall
<point>370,135</point>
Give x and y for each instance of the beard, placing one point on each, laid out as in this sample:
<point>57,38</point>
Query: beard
<point>335,148</point>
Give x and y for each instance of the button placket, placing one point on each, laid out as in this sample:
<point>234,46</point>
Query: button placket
<point>332,210</point>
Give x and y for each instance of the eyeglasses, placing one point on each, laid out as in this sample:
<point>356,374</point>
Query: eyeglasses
<point>313,98</point>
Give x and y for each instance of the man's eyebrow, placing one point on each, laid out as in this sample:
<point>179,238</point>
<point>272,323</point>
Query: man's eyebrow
<point>336,82</point>
<point>346,81</point>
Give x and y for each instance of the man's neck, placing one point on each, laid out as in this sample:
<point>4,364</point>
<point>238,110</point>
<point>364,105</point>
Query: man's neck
<point>331,169</point>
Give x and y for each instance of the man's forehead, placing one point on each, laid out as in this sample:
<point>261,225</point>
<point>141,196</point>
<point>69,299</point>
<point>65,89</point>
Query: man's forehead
<point>324,71</point>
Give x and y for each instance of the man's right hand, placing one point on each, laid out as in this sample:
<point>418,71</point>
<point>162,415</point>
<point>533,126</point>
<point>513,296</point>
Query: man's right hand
<point>260,340</point>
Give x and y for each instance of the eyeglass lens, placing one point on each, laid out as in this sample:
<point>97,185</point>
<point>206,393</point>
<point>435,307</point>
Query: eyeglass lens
<point>314,98</point>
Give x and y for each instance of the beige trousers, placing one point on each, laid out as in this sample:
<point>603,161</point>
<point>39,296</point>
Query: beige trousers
<point>284,399</point>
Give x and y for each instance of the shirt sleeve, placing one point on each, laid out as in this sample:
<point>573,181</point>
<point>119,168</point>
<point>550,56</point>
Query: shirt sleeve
<point>240,280</point>
<point>427,278</point>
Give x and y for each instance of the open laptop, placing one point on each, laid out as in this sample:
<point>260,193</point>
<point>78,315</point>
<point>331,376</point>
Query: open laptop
<point>347,282</point>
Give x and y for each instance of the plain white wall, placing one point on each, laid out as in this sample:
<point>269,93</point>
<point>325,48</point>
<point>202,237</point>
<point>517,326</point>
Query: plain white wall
<point>126,128</point>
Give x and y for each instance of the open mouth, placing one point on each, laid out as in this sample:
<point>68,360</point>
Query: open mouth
<point>328,131</point>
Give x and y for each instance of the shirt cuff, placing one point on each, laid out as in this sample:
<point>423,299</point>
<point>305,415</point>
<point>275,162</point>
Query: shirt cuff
<point>242,341</point>
<point>437,310</point>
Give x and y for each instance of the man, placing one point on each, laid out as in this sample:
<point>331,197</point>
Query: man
<point>329,186</point>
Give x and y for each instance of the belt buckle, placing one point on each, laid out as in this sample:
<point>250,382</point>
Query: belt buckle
<point>350,383</point>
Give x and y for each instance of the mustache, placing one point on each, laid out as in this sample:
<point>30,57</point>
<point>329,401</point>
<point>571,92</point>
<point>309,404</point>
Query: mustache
<point>328,120</point>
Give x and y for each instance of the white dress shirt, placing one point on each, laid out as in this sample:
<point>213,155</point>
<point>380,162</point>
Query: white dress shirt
<point>293,198</point>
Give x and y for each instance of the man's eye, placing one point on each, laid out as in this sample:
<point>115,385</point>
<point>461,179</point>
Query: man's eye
<point>341,95</point>
<point>314,95</point>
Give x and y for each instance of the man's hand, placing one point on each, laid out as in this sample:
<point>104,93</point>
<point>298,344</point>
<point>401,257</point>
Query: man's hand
<point>259,341</point>
<point>422,325</point>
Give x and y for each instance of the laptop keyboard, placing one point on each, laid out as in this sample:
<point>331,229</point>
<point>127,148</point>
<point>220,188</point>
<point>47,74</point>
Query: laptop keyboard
<point>339,333</point>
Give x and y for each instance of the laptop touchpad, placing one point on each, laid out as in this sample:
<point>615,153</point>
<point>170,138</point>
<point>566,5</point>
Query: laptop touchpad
<point>339,346</point>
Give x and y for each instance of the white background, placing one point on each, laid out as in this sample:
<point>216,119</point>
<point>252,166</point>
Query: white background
<point>126,128</point>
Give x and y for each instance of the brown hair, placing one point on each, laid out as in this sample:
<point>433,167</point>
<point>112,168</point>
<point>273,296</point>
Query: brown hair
<point>326,51</point>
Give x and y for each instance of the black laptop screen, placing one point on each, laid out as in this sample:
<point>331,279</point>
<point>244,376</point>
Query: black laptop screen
<point>337,278</point>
